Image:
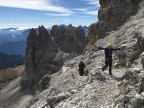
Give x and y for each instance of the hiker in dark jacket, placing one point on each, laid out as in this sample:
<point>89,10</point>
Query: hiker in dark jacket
<point>108,56</point>
<point>81,66</point>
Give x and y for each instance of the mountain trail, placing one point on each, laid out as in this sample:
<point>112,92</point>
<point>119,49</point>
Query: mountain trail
<point>96,90</point>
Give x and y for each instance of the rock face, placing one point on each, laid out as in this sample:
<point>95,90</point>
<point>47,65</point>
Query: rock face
<point>44,82</point>
<point>111,15</point>
<point>69,38</point>
<point>45,52</point>
<point>41,57</point>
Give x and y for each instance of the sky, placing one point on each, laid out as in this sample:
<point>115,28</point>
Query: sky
<point>33,13</point>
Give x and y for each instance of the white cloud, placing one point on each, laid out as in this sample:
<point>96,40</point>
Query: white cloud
<point>58,14</point>
<point>81,9</point>
<point>85,9</point>
<point>92,2</point>
<point>88,10</point>
<point>32,25</point>
<point>43,5</point>
<point>92,12</point>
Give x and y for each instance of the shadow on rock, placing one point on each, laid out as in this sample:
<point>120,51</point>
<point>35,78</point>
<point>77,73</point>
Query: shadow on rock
<point>99,76</point>
<point>114,77</point>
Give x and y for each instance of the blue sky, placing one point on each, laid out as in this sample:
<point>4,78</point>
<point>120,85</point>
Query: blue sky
<point>32,13</point>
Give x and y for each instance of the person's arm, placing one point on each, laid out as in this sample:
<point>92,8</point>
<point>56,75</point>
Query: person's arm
<point>100,48</point>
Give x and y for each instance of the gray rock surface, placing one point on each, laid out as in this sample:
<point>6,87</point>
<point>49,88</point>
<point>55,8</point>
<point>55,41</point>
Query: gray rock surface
<point>41,57</point>
<point>142,61</point>
<point>44,82</point>
<point>45,53</point>
<point>112,14</point>
<point>69,38</point>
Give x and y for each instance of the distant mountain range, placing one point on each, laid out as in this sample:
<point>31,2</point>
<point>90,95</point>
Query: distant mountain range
<point>14,47</point>
<point>13,34</point>
<point>13,40</point>
<point>10,60</point>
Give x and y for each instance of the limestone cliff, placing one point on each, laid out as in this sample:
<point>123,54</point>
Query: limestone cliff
<point>45,52</point>
<point>69,38</point>
<point>41,53</point>
<point>112,14</point>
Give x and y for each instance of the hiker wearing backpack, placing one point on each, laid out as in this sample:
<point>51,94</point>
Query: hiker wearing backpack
<point>108,56</point>
<point>81,66</point>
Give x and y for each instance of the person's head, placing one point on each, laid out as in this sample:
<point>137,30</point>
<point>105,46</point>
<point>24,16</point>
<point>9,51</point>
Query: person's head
<point>109,45</point>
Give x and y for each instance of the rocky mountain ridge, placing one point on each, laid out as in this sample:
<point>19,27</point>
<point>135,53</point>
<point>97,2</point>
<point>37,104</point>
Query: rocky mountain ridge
<point>69,38</point>
<point>46,52</point>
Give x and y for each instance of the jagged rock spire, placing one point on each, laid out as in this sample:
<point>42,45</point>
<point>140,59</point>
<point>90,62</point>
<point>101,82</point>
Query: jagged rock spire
<point>40,54</point>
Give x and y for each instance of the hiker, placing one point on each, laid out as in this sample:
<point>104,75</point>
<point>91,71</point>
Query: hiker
<point>108,56</point>
<point>81,66</point>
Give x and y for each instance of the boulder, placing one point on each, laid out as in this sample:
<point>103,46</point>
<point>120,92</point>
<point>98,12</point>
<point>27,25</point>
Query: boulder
<point>141,88</point>
<point>53,100</point>
<point>138,102</point>
<point>44,82</point>
<point>129,75</point>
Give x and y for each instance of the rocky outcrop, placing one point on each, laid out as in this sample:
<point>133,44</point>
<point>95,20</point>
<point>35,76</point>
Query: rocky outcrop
<point>41,57</point>
<point>44,82</point>
<point>69,39</point>
<point>131,90</point>
<point>111,15</point>
<point>92,33</point>
<point>57,99</point>
<point>45,53</point>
